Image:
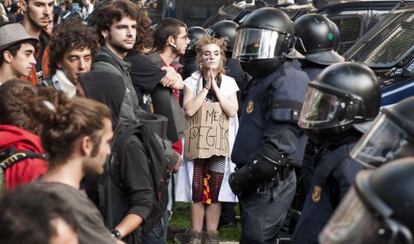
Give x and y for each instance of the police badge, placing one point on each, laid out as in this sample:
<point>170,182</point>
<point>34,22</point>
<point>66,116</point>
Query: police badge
<point>316,194</point>
<point>250,107</point>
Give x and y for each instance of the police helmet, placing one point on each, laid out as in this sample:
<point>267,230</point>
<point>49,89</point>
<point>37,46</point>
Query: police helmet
<point>263,40</point>
<point>390,137</point>
<point>317,39</point>
<point>377,208</point>
<point>224,29</point>
<point>194,34</point>
<point>342,95</point>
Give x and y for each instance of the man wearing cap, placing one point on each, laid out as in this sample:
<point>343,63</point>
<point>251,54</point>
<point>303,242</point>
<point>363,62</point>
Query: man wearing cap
<point>17,50</point>
<point>37,14</point>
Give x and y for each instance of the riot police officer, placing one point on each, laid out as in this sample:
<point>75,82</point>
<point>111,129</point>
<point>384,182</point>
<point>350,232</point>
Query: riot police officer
<point>390,137</point>
<point>340,97</point>
<point>268,142</point>
<point>377,209</point>
<point>317,38</point>
<point>226,30</point>
<point>189,59</point>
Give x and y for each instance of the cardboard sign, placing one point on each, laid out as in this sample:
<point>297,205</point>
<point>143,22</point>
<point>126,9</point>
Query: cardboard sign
<point>208,133</point>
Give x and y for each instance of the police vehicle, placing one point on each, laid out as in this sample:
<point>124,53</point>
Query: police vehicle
<point>354,18</point>
<point>237,11</point>
<point>388,48</point>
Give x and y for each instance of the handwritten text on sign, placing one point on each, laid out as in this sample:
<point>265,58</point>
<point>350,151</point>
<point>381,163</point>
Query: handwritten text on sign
<point>207,134</point>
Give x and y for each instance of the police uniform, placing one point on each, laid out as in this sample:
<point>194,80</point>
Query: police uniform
<point>312,70</point>
<point>333,175</point>
<point>270,110</point>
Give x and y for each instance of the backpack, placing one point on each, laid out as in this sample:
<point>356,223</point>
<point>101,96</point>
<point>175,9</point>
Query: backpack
<point>157,165</point>
<point>9,156</point>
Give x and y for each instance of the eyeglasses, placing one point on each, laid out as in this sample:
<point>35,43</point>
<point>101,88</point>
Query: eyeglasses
<point>183,37</point>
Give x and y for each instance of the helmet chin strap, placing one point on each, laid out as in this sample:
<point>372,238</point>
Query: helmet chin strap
<point>261,67</point>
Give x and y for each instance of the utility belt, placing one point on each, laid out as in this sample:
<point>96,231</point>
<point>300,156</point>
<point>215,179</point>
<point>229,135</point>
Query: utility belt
<point>269,168</point>
<point>280,174</point>
<point>265,186</point>
<point>268,186</point>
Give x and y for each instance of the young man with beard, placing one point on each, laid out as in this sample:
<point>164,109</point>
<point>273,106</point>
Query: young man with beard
<point>116,28</point>
<point>170,42</point>
<point>35,20</point>
<point>146,74</point>
<point>77,141</point>
<point>72,49</point>
<point>17,51</point>
<point>116,25</point>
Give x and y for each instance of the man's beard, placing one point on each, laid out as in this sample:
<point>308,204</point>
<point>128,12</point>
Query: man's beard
<point>33,22</point>
<point>118,48</point>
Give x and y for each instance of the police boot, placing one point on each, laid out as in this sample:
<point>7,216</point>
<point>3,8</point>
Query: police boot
<point>211,238</point>
<point>196,237</point>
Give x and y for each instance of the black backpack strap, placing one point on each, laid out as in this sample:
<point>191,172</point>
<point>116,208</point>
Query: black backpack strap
<point>10,156</point>
<point>104,57</point>
<point>152,148</point>
<point>105,180</point>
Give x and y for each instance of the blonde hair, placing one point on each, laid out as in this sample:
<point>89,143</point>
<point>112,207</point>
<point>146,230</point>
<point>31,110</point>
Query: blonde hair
<point>205,40</point>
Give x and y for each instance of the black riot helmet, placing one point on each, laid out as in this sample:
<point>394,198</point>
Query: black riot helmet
<point>224,29</point>
<point>390,137</point>
<point>341,96</point>
<point>378,208</point>
<point>194,34</point>
<point>263,40</point>
<point>317,39</point>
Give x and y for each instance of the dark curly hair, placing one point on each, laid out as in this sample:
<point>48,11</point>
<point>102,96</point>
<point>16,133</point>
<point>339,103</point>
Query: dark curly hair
<point>15,97</point>
<point>70,35</point>
<point>112,11</point>
<point>144,39</point>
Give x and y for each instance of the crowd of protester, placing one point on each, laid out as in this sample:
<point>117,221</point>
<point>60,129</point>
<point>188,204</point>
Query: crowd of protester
<point>57,59</point>
<point>93,107</point>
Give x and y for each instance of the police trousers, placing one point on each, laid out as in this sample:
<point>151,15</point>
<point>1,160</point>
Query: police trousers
<point>263,212</point>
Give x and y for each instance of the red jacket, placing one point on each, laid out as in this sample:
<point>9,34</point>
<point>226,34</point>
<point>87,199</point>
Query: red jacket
<point>25,171</point>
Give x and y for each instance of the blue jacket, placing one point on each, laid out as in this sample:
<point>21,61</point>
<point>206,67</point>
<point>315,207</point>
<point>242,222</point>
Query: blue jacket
<point>269,112</point>
<point>334,173</point>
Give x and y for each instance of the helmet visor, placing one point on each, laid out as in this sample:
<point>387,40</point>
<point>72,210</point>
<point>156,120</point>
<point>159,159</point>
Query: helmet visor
<point>321,109</point>
<point>352,222</point>
<point>383,142</point>
<point>253,43</point>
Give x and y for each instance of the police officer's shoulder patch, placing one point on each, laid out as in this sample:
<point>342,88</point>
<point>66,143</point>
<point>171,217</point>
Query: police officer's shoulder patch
<point>316,194</point>
<point>250,107</point>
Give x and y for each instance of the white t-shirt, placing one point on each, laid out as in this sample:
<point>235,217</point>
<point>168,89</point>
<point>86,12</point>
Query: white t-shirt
<point>195,84</point>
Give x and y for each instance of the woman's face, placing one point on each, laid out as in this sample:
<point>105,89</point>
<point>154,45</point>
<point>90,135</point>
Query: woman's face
<point>211,57</point>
